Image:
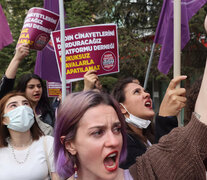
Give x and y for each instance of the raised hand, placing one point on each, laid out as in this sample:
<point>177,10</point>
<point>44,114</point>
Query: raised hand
<point>21,52</point>
<point>174,99</point>
<point>90,79</point>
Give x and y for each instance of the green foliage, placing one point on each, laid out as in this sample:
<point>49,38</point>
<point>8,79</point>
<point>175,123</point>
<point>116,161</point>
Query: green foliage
<point>108,83</point>
<point>136,21</point>
<point>78,13</point>
<point>15,12</point>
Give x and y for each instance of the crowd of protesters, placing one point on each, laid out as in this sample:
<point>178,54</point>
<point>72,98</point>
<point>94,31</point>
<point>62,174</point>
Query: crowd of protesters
<point>96,135</point>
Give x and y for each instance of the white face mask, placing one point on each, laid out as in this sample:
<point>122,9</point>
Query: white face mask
<point>136,121</point>
<point>21,118</point>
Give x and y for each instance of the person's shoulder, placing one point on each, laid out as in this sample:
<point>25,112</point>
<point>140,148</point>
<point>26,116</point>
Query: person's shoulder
<point>133,139</point>
<point>49,138</point>
<point>48,141</point>
<point>71,178</point>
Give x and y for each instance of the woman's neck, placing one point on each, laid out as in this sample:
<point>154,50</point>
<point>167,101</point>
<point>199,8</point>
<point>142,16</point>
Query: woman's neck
<point>34,106</point>
<point>20,140</point>
<point>138,132</point>
<point>82,176</point>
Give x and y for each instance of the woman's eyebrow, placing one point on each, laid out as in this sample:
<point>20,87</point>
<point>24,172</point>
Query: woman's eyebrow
<point>98,126</point>
<point>137,89</point>
<point>13,102</point>
<point>103,126</point>
<point>30,84</point>
<point>116,124</point>
<point>25,101</point>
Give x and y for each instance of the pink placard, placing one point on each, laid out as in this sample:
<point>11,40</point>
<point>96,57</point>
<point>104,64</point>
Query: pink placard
<point>88,47</point>
<point>38,25</point>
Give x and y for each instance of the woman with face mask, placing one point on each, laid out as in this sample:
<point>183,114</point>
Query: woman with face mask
<point>24,152</point>
<point>136,106</point>
<point>33,87</point>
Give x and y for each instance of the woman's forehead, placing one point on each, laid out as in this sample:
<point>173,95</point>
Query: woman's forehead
<point>16,99</point>
<point>99,115</point>
<point>131,86</point>
<point>136,81</point>
<point>34,81</point>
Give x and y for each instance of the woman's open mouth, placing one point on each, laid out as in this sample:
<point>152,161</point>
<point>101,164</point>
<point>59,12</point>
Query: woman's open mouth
<point>111,161</point>
<point>36,96</point>
<point>148,104</point>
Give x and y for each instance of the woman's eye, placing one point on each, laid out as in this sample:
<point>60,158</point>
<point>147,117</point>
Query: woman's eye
<point>97,133</point>
<point>117,129</point>
<point>13,105</point>
<point>26,104</point>
<point>136,91</point>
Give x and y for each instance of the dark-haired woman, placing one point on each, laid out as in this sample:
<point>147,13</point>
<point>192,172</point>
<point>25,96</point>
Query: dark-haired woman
<point>33,86</point>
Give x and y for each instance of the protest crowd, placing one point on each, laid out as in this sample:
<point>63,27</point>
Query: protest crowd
<point>95,134</point>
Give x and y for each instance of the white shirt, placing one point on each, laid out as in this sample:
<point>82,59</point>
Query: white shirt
<point>35,166</point>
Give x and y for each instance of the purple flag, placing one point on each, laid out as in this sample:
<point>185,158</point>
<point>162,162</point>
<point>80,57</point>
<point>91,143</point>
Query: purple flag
<point>5,33</point>
<point>164,31</point>
<point>46,65</point>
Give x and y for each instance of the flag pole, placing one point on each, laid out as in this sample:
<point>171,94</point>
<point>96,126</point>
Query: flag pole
<point>177,44</point>
<point>149,66</point>
<point>177,37</point>
<point>62,35</point>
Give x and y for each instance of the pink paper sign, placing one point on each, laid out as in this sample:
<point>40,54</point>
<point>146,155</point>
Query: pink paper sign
<point>38,25</point>
<point>54,89</point>
<point>88,47</point>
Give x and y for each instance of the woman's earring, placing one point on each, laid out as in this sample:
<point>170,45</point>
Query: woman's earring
<point>76,171</point>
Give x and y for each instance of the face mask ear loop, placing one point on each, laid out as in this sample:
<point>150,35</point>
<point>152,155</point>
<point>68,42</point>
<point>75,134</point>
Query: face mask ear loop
<point>124,108</point>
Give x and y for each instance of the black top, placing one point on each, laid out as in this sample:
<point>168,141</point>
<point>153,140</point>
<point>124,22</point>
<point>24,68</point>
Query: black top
<point>6,85</point>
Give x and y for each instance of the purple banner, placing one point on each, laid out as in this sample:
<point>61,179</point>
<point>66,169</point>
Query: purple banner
<point>5,33</point>
<point>164,31</point>
<point>46,58</point>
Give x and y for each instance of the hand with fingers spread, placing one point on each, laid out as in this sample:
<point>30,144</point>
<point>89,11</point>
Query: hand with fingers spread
<point>174,99</point>
<point>90,79</point>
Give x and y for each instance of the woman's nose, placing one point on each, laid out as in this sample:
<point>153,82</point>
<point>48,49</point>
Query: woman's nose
<point>112,140</point>
<point>146,94</point>
<point>37,88</point>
